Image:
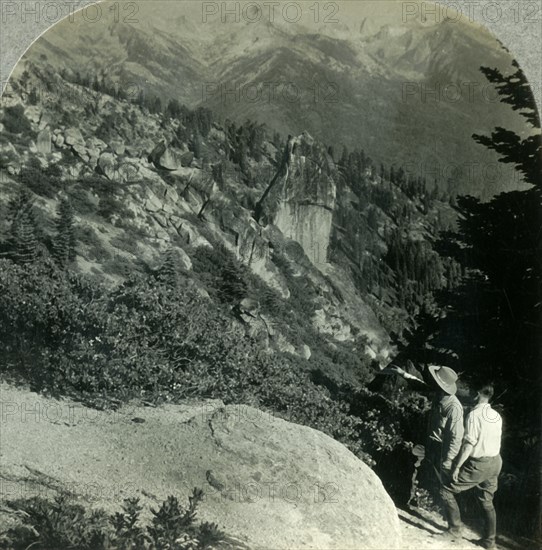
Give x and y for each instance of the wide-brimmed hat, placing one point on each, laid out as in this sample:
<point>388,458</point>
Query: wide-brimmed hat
<point>445,377</point>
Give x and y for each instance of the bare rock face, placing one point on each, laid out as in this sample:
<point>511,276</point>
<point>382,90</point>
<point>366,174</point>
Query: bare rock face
<point>44,142</point>
<point>267,482</point>
<point>307,199</point>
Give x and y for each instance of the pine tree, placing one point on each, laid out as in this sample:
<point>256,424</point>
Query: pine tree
<point>169,271</point>
<point>23,240</point>
<point>524,154</point>
<point>64,242</point>
<point>233,286</point>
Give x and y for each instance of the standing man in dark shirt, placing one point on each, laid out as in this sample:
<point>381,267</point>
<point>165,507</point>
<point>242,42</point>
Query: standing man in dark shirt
<point>444,429</point>
<point>445,421</point>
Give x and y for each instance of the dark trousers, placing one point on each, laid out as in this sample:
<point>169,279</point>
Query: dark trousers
<point>482,473</point>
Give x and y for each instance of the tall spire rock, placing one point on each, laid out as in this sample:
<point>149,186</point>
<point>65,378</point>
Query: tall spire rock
<point>307,198</point>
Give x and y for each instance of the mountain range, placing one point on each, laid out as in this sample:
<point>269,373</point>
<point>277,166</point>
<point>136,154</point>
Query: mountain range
<point>410,93</point>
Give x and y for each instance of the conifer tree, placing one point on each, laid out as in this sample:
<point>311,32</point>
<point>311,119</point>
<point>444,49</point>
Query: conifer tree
<point>64,242</point>
<point>169,271</point>
<point>23,239</point>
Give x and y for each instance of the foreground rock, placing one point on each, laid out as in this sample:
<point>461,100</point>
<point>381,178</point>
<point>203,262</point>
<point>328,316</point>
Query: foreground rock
<point>268,482</point>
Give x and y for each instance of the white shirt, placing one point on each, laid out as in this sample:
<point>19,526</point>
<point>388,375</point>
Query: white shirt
<point>483,430</point>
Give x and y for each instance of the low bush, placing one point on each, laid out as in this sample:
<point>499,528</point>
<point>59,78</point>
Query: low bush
<point>60,523</point>
<point>95,248</point>
<point>44,182</point>
<point>14,120</point>
<point>83,204</point>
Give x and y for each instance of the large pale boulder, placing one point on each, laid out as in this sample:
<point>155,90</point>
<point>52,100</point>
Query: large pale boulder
<point>189,233</point>
<point>44,141</point>
<point>33,113</point>
<point>184,259</point>
<point>118,147</point>
<point>45,121</point>
<point>167,158</point>
<point>59,141</point>
<point>268,482</point>
<point>81,151</point>
<point>107,165</point>
<point>95,143</point>
<point>128,172</point>
<point>73,136</point>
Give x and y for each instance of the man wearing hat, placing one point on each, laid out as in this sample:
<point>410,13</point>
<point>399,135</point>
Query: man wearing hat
<point>445,427</point>
<point>445,421</point>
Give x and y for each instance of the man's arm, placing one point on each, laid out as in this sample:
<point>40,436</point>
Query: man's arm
<point>414,382</point>
<point>464,453</point>
<point>472,434</point>
<point>454,425</point>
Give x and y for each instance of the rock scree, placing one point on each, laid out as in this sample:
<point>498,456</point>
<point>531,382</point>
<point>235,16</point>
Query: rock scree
<point>267,482</point>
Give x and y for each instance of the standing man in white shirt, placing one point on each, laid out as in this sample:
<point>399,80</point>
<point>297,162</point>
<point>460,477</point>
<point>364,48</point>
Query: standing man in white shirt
<point>477,465</point>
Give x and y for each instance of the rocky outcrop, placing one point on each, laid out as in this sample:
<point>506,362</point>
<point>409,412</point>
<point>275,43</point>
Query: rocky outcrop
<point>107,165</point>
<point>73,136</point>
<point>10,158</point>
<point>117,146</point>
<point>267,482</point>
<point>307,198</point>
<point>257,325</point>
<point>44,142</point>
<point>168,158</point>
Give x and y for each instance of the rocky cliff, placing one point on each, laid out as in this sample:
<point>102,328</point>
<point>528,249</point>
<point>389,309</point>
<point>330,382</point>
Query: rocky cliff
<point>307,198</point>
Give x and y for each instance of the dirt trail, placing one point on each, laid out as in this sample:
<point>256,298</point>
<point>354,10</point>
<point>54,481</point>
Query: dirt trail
<point>423,530</point>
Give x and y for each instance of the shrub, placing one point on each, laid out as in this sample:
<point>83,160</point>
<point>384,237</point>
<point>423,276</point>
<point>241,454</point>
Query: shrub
<point>7,158</point>
<point>14,120</point>
<point>119,264</point>
<point>45,183</point>
<point>82,202</point>
<point>95,249</point>
<point>224,276</point>
<point>64,524</point>
<point>148,338</point>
